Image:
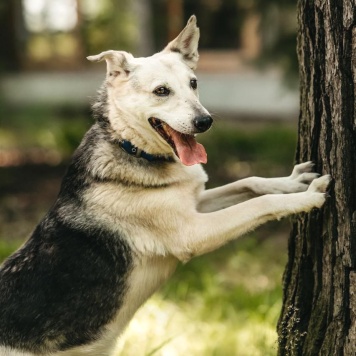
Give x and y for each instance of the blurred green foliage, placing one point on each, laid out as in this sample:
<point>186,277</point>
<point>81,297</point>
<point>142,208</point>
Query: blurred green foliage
<point>260,148</point>
<point>113,27</point>
<point>7,247</point>
<point>59,129</point>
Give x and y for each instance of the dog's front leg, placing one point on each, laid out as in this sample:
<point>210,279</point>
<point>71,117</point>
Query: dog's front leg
<point>208,231</point>
<point>245,189</point>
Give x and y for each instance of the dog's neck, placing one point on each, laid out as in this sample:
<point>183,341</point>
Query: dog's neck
<point>134,151</point>
<point>129,148</point>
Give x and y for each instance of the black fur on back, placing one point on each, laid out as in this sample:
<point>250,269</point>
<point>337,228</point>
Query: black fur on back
<point>100,105</point>
<point>68,281</point>
<point>61,288</point>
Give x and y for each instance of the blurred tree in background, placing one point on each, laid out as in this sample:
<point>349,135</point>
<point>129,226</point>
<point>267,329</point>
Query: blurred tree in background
<point>12,34</point>
<point>278,29</point>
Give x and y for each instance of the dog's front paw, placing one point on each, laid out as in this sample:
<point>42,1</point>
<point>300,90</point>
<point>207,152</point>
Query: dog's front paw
<point>317,191</point>
<point>302,175</point>
<point>320,185</point>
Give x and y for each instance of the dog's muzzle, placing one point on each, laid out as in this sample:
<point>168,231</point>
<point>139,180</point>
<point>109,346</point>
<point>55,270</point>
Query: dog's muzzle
<point>202,123</point>
<point>184,145</point>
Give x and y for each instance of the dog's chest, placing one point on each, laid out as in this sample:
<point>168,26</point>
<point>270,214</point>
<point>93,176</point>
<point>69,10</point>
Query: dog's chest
<point>148,274</point>
<point>146,277</point>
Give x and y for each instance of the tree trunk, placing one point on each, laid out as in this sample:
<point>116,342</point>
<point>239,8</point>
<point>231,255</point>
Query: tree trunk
<point>142,10</point>
<point>13,35</point>
<point>175,13</point>
<point>319,307</point>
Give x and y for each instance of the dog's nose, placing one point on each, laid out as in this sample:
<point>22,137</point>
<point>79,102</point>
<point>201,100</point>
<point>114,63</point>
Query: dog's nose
<point>203,123</point>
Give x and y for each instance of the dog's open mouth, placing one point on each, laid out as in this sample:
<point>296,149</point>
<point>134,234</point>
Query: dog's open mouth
<point>185,146</point>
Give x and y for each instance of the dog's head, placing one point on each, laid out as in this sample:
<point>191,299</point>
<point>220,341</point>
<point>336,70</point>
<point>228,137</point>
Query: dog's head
<point>153,101</point>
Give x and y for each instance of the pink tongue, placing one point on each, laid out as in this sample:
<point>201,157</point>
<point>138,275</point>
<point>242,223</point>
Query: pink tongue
<point>189,151</point>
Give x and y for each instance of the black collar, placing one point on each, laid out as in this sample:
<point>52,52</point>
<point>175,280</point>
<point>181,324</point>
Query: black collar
<point>132,150</point>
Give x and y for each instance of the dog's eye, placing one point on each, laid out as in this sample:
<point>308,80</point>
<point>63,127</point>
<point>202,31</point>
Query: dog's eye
<point>162,91</point>
<point>193,83</point>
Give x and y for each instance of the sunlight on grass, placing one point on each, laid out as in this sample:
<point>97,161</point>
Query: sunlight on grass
<point>163,328</point>
<point>224,303</point>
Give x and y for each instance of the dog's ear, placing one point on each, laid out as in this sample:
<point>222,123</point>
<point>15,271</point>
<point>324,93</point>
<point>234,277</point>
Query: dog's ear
<point>187,43</point>
<point>118,62</point>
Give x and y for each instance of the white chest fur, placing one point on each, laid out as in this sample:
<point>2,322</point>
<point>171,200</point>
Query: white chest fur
<point>148,274</point>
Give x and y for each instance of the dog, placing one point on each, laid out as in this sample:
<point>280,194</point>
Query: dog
<point>131,206</point>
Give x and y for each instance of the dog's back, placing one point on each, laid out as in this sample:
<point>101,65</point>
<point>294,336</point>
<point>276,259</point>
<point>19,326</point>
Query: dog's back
<point>69,279</point>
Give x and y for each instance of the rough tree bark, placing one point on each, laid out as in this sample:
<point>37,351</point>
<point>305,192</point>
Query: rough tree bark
<point>319,307</point>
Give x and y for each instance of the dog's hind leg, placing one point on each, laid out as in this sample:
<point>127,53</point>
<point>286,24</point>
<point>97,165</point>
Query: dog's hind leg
<point>245,189</point>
